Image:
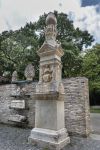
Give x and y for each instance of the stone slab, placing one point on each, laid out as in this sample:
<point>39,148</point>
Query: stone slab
<point>17,118</point>
<point>49,114</point>
<point>17,104</point>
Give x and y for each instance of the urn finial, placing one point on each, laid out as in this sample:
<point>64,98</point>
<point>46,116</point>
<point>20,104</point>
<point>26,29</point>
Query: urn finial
<point>51,19</point>
<point>50,30</point>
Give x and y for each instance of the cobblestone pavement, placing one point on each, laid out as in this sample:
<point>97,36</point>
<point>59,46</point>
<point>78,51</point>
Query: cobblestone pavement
<point>12,138</point>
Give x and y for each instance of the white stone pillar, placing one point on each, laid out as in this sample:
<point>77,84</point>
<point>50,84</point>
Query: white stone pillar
<point>50,128</point>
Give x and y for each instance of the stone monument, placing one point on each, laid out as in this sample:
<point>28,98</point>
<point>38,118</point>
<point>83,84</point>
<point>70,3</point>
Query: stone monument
<point>50,131</point>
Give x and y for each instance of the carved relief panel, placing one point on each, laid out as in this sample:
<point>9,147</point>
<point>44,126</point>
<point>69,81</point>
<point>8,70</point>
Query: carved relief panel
<point>46,73</point>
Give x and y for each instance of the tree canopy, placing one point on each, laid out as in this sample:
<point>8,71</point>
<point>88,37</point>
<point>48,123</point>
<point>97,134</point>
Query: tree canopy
<point>91,69</point>
<point>66,31</point>
<point>18,48</point>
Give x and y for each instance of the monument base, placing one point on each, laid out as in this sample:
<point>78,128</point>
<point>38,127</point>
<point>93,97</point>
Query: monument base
<point>51,139</point>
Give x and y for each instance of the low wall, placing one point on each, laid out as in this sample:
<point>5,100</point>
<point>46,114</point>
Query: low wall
<point>5,101</point>
<point>77,116</point>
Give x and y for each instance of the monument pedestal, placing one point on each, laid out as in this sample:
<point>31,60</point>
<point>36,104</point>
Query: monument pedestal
<point>49,128</point>
<point>51,139</point>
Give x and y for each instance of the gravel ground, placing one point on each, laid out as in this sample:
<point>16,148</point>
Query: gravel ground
<point>12,138</point>
<point>95,122</point>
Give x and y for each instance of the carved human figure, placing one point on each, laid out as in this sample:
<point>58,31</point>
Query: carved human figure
<point>47,74</point>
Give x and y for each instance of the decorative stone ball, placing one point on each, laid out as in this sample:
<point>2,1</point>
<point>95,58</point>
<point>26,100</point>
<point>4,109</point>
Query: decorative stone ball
<point>51,19</point>
<point>29,72</point>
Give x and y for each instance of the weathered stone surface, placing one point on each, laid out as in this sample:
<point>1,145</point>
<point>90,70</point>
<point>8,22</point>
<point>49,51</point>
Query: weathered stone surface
<point>51,139</point>
<point>18,104</point>
<point>5,100</point>
<point>50,87</point>
<point>15,90</point>
<point>48,115</point>
<point>77,113</point>
<point>17,118</point>
<point>50,96</point>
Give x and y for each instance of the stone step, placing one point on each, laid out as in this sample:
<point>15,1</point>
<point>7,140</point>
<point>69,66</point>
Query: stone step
<point>17,118</point>
<point>17,104</point>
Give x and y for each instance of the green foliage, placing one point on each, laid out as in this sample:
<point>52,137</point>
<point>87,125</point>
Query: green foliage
<point>72,60</point>
<point>95,110</point>
<point>19,49</point>
<point>91,70</point>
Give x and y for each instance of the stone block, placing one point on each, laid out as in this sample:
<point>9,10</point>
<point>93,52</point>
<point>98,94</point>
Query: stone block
<point>51,139</point>
<point>18,104</point>
<point>17,118</point>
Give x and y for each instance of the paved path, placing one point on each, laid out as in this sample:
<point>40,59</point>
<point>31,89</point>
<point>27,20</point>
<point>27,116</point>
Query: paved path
<point>12,138</point>
<point>95,122</point>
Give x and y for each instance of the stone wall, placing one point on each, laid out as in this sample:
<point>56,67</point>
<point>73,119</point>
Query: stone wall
<point>77,113</point>
<point>77,116</point>
<point>5,100</point>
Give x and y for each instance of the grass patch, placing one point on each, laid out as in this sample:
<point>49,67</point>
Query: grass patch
<point>95,110</point>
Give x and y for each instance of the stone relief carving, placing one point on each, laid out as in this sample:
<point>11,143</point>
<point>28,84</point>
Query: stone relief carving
<point>47,74</point>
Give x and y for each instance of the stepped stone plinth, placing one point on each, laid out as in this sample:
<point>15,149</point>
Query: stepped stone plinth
<point>49,131</point>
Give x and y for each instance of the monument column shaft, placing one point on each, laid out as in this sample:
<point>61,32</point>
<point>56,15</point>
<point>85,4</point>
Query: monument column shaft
<point>49,114</point>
